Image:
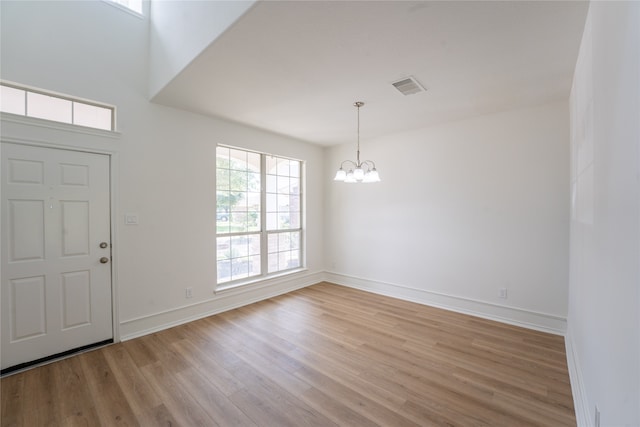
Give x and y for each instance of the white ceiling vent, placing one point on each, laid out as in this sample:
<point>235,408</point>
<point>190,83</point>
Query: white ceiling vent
<point>408,86</point>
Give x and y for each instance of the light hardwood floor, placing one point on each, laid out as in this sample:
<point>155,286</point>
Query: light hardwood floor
<point>321,356</point>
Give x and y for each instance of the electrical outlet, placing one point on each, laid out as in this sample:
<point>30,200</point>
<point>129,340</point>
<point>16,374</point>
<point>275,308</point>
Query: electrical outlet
<point>597,420</point>
<point>502,293</point>
<point>188,292</point>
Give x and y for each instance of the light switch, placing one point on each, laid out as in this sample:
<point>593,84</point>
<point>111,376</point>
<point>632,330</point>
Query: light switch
<point>131,219</point>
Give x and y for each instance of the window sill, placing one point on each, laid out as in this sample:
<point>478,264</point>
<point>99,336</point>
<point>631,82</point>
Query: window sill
<point>262,280</point>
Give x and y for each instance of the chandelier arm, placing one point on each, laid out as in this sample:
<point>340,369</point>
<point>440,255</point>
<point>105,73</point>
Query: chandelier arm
<point>348,161</point>
<point>369,163</point>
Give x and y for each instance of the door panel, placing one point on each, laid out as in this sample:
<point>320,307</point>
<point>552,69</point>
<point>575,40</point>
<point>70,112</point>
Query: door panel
<point>56,295</point>
<point>27,309</point>
<point>76,299</point>
<point>75,227</point>
<point>26,230</point>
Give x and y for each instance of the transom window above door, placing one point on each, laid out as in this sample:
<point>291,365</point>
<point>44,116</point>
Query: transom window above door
<point>258,215</point>
<point>41,104</point>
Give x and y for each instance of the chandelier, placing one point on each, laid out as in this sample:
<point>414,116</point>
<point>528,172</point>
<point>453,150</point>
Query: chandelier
<point>364,171</point>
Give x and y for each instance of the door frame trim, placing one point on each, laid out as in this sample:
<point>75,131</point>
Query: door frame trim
<point>87,143</point>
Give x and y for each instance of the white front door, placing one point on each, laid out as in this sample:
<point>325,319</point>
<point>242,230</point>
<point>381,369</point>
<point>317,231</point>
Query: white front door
<point>56,252</point>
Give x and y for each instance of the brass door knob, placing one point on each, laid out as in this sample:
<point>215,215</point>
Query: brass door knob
<point>104,260</point>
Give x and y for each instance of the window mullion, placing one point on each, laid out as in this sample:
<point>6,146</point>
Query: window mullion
<point>264,256</point>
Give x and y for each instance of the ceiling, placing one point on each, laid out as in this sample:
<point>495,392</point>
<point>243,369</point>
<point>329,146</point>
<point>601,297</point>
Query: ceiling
<point>296,67</point>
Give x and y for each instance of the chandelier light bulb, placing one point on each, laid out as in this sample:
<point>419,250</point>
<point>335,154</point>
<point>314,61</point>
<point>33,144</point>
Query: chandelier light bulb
<point>358,174</point>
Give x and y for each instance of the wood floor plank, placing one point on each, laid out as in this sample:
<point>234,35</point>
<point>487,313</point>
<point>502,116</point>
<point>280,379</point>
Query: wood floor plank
<point>176,397</point>
<point>107,396</point>
<point>87,416</point>
<point>77,407</point>
<point>214,402</point>
<point>358,402</point>
<point>12,396</point>
<point>137,391</point>
<point>320,356</point>
<point>272,396</point>
<point>40,394</point>
<point>335,410</point>
<point>158,416</point>
<point>208,366</point>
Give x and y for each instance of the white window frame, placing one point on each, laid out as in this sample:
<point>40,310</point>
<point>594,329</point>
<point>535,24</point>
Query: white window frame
<point>118,4</point>
<point>74,100</point>
<point>263,231</point>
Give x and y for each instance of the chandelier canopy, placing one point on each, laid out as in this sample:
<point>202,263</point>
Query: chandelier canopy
<point>359,171</point>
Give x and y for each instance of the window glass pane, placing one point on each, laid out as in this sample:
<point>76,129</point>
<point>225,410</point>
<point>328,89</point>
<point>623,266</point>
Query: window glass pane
<point>239,201</point>
<point>12,100</point>
<point>272,165</point>
<point>294,203</point>
<point>294,220</point>
<point>135,5</point>
<point>239,268</point>
<point>255,265</point>
<point>284,241</point>
<point>272,186</point>
<point>283,203</point>
<point>237,180</point>
<point>238,222</point>
<point>283,167</point>
<point>222,178</point>
<point>253,181</point>
<point>48,107</point>
<point>253,160</point>
<point>224,271</point>
<point>284,221</point>
<point>222,157</point>
<point>92,116</point>
<point>273,263</point>
<point>239,246</point>
<point>272,221</point>
<point>222,222</point>
<point>283,184</point>
<point>272,243</point>
<point>294,259</point>
<point>223,248</point>
<point>294,186</point>
<point>272,202</point>
<point>253,201</point>
<point>253,221</point>
<point>238,159</point>
<point>294,168</point>
<point>254,244</point>
<point>283,260</point>
<point>295,240</point>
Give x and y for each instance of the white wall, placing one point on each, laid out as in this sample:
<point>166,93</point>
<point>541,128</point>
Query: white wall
<point>181,30</point>
<point>463,209</point>
<point>603,340</point>
<point>165,158</point>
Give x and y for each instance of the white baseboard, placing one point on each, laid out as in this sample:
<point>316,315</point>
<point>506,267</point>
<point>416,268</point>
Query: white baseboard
<point>580,402</point>
<point>514,316</point>
<point>222,301</point>
<point>238,297</point>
